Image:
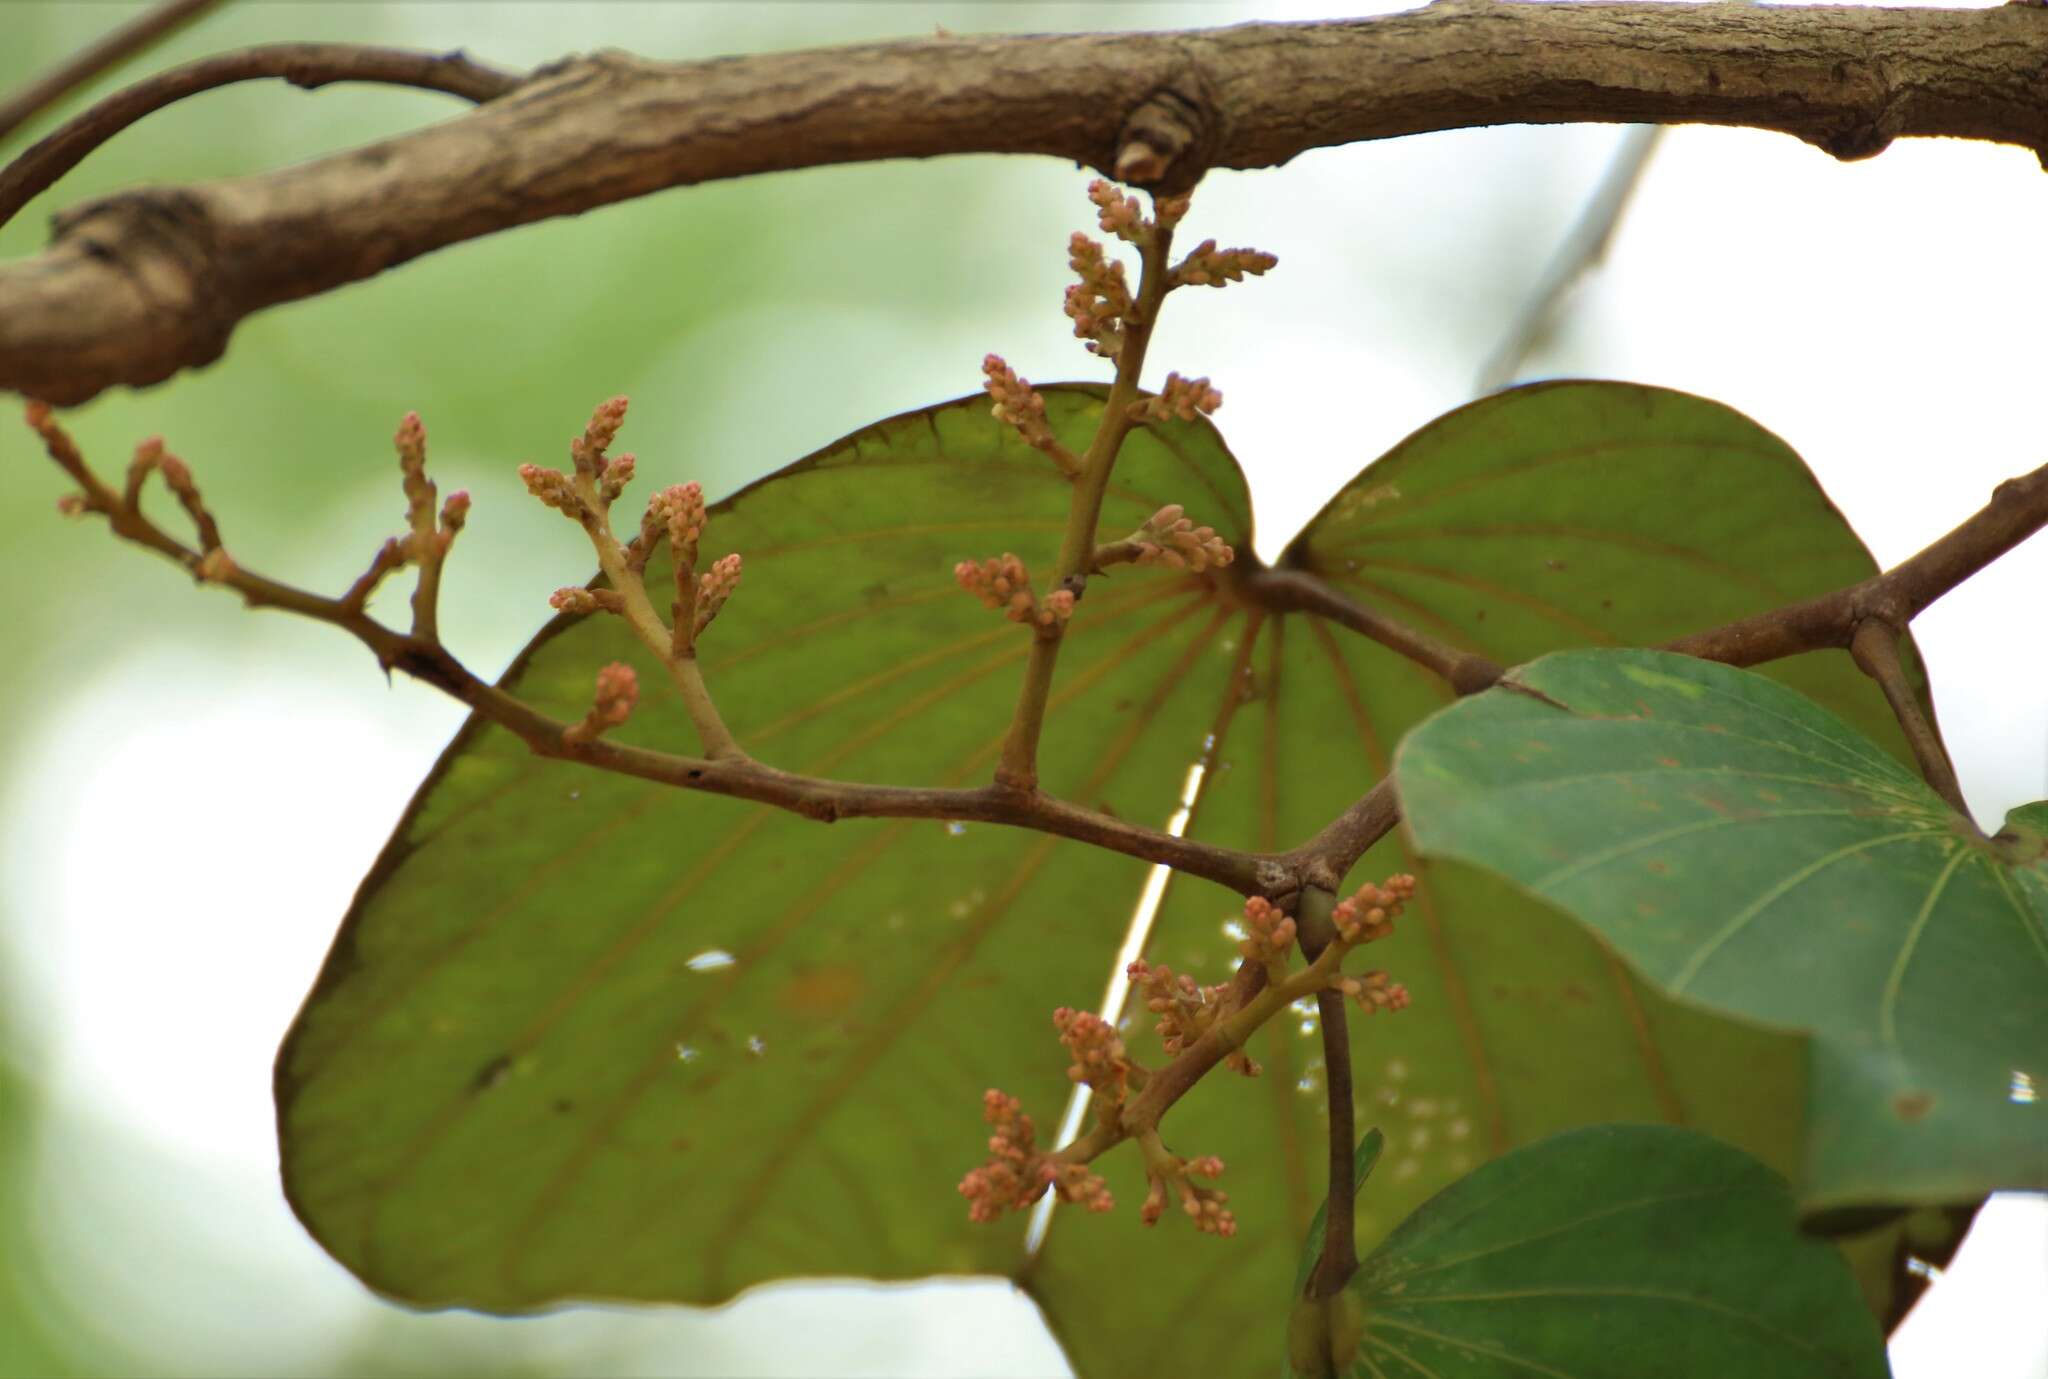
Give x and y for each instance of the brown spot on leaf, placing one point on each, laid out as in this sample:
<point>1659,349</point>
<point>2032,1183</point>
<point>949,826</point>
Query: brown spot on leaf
<point>1912,1106</point>
<point>1660,868</point>
<point>1667,761</point>
<point>823,991</point>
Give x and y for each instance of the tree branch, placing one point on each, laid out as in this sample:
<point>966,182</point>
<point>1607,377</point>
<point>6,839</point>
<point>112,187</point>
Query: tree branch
<point>2018,508</point>
<point>138,286</point>
<point>305,65</point>
<point>88,62</point>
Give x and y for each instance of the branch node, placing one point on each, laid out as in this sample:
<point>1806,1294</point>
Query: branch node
<point>1156,137</point>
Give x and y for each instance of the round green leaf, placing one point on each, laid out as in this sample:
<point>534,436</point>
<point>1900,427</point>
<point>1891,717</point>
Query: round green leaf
<point>1610,1253</point>
<point>1747,849</point>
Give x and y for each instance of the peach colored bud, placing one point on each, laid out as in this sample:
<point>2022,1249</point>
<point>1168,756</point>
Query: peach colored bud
<point>1016,403</point>
<point>411,440</point>
<point>587,450</point>
<point>680,509</point>
<point>1269,931</point>
<point>617,474</point>
<point>73,504</point>
<point>1118,214</point>
<point>715,587</point>
<point>581,600</point>
<point>37,414</point>
<point>1101,301</point>
<point>455,511</point>
<point>617,691</point>
<point>1169,211</point>
<point>1209,266</point>
<point>552,487</point>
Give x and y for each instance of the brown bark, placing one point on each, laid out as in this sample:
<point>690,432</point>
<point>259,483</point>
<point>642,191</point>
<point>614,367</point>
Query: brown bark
<point>137,286</point>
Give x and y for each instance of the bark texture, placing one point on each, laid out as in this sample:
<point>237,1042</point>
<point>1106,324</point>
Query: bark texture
<point>137,286</point>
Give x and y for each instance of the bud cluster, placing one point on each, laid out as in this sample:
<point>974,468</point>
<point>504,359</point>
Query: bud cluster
<point>1005,585</point>
<point>1170,1173</point>
<point>714,587</point>
<point>580,600</point>
<point>1185,1009</point>
<point>1100,303</point>
<point>1374,991</point>
<point>1369,914</point>
<point>1017,404</point>
<point>1186,398</point>
<point>1171,539</point>
<point>1017,1172</point>
<point>1269,936</point>
<point>1116,213</point>
<point>1208,266</point>
<point>1100,1060</point>
<point>618,690</point>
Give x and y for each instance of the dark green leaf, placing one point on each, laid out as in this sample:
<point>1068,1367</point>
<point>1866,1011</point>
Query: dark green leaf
<point>1610,1253</point>
<point>1747,849</point>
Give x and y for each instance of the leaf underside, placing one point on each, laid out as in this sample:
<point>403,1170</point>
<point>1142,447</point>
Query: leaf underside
<point>510,1086</point>
<point>1750,851</point>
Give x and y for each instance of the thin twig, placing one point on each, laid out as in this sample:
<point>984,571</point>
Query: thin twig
<point>2018,508</point>
<point>812,797</point>
<point>307,65</point>
<point>130,39</point>
<point>1299,591</point>
<point>1324,859</point>
<point>1875,647</point>
<point>1584,245</point>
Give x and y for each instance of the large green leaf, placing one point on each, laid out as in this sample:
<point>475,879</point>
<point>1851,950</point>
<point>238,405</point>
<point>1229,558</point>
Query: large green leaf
<point>1748,849</point>
<point>586,1036</point>
<point>1561,514</point>
<point>511,1085</point>
<point>1609,1253</point>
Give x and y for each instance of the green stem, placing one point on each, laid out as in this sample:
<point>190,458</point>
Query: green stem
<point>1018,768</point>
<point>640,615</point>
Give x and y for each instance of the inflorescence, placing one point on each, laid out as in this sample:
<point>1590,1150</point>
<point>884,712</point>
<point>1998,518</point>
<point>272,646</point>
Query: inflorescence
<point>1204,1025</point>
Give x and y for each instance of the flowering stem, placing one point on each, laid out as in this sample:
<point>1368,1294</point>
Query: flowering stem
<point>1018,768</point>
<point>640,615</point>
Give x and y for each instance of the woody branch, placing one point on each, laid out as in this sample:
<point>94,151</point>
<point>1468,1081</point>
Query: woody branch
<point>141,285</point>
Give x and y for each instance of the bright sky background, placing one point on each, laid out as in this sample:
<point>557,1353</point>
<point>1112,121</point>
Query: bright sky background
<point>184,831</point>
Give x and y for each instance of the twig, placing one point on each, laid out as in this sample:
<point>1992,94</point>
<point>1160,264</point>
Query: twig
<point>1875,647</point>
<point>1324,859</point>
<point>1585,245</point>
<point>813,797</point>
<point>1299,591</point>
<point>307,65</point>
<point>88,62</point>
<point>2018,508</point>
<point>1254,95</point>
